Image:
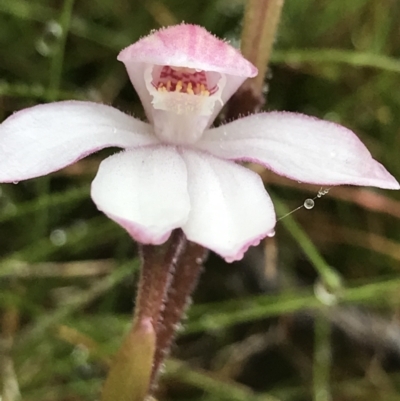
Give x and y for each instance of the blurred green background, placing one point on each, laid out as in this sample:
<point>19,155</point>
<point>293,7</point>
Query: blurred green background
<point>266,328</point>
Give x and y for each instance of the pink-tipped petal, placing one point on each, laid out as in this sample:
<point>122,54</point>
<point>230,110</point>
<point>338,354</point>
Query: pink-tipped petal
<point>45,138</point>
<point>230,209</point>
<point>145,191</point>
<point>299,147</point>
<point>191,46</point>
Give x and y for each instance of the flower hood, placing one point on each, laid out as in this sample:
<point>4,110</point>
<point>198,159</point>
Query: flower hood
<point>184,75</point>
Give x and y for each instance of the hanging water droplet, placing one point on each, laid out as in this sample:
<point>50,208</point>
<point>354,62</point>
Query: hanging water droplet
<point>271,233</point>
<point>46,44</point>
<point>322,192</point>
<point>15,182</point>
<point>309,203</point>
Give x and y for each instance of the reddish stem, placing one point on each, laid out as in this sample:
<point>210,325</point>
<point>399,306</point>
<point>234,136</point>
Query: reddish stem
<point>158,266</point>
<point>183,283</point>
<point>168,277</point>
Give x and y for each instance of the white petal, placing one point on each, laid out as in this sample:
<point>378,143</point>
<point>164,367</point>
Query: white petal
<point>230,209</point>
<point>145,191</point>
<point>136,72</point>
<point>300,147</point>
<point>232,85</point>
<point>48,137</point>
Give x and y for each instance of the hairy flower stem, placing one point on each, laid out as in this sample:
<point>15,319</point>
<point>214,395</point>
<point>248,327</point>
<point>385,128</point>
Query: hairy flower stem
<point>168,277</point>
<point>183,283</point>
<point>131,374</point>
<point>158,267</point>
<point>260,24</point>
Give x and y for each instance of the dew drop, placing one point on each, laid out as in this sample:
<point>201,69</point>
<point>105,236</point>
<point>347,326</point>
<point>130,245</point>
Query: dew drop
<point>58,237</point>
<point>324,295</point>
<point>271,234</point>
<point>322,192</point>
<point>15,182</point>
<point>46,44</point>
<point>199,261</point>
<point>309,203</point>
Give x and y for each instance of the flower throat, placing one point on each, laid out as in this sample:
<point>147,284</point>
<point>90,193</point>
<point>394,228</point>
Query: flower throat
<point>184,80</point>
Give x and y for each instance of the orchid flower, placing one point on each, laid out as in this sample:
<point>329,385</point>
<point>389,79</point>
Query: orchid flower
<point>176,171</point>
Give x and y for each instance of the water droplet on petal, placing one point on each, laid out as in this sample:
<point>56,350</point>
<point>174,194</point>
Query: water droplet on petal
<point>309,203</point>
<point>15,182</point>
<point>199,261</point>
<point>271,233</point>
